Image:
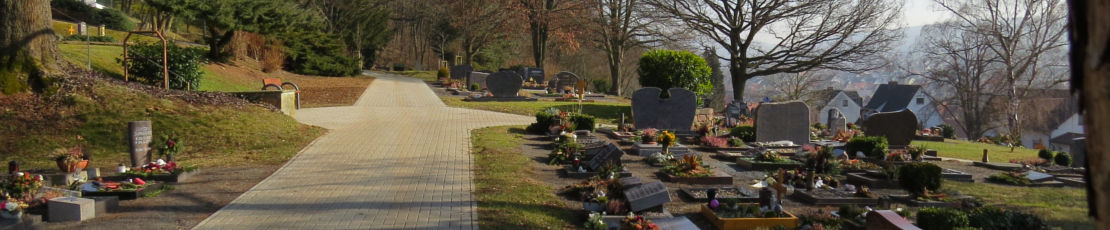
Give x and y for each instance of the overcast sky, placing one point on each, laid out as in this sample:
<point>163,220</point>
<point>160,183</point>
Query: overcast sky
<point>922,12</point>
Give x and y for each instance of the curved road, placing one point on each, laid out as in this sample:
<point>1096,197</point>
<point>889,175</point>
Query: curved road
<point>398,159</point>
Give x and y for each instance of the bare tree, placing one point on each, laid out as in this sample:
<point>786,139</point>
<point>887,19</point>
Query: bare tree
<point>27,50</point>
<point>480,23</point>
<point>830,34</point>
<point>620,25</point>
<point>962,64</point>
<point>545,17</point>
<point>799,86</point>
<point>1022,34</point>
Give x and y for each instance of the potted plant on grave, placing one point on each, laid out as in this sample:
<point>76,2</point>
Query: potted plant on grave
<point>70,160</point>
<point>11,208</point>
<point>649,135</point>
<point>633,221</point>
<point>171,147</point>
<point>688,166</point>
<point>20,186</point>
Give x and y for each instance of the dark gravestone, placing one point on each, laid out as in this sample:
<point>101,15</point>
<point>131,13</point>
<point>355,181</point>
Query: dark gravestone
<point>647,196</point>
<point>1079,152</point>
<point>504,84</point>
<point>563,80</point>
<point>477,78</point>
<point>785,121</point>
<point>532,74</point>
<point>610,154</point>
<point>461,71</point>
<point>674,113</point>
<point>887,220</point>
<point>734,110</point>
<point>898,127</point>
<point>140,134</point>
<point>629,182</point>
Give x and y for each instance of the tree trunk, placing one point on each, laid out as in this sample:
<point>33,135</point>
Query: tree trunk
<point>539,42</point>
<point>615,61</point>
<point>27,50</point>
<point>1091,77</point>
<point>739,79</point>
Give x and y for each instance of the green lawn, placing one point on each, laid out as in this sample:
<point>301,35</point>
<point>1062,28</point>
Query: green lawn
<point>508,198</point>
<point>212,83</point>
<point>103,57</point>
<point>974,150</point>
<point>1059,207</point>
<point>606,112</point>
<point>422,75</point>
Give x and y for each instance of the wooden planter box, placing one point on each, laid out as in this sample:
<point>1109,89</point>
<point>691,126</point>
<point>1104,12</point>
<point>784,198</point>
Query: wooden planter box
<point>718,177</point>
<point>789,222</point>
<point>751,164</point>
<point>128,195</point>
<point>805,196</point>
<point>168,178</point>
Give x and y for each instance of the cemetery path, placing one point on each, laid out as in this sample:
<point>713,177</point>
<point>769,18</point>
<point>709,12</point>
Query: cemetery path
<point>398,158</point>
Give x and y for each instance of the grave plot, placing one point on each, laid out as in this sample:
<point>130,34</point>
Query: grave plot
<point>1032,178</point>
<point>873,179</point>
<point>503,86</point>
<point>722,144</point>
<point>691,170</point>
<point>956,175</point>
<point>123,190</point>
<point>766,214</point>
<point>607,162</point>
<point>740,194</point>
<point>847,195</point>
<point>766,161</point>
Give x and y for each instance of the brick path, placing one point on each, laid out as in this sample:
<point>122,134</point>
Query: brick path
<point>398,158</point>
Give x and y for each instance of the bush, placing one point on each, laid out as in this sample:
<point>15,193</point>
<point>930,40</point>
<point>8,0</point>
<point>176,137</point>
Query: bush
<point>583,121</point>
<point>675,69</point>
<point>873,147</point>
<point>919,178</point>
<point>443,73</point>
<point>90,38</point>
<point>114,19</point>
<point>475,87</point>
<point>744,132</point>
<point>947,131</point>
<point>146,65</point>
<point>544,121</point>
<point>1009,178</point>
<point>929,218</point>
<point>1045,154</point>
<point>1063,159</point>
<point>991,218</point>
<point>318,53</point>
<point>600,85</point>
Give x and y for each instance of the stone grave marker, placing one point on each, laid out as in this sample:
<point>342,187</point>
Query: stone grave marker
<point>629,182</point>
<point>477,78</point>
<point>461,71</point>
<point>140,134</point>
<point>563,80</point>
<point>647,195</point>
<point>611,153</point>
<point>899,127</point>
<point>70,209</point>
<point>887,219</point>
<point>733,111</point>
<point>838,124</point>
<point>83,28</point>
<point>784,121</point>
<point>504,84</point>
<point>532,73</point>
<point>674,113</point>
<point>1035,176</point>
<point>1079,152</point>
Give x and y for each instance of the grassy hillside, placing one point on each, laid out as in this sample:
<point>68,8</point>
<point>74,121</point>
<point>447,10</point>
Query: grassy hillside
<point>62,28</point>
<point>216,130</point>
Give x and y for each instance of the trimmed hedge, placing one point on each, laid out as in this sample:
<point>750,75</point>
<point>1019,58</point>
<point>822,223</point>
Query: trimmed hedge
<point>930,218</point>
<point>544,121</point>
<point>1063,159</point>
<point>873,147</point>
<point>583,121</point>
<point>918,178</point>
<point>992,218</point>
<point>1045,154</point>
<point>744,132</point>
<point>675,69</point>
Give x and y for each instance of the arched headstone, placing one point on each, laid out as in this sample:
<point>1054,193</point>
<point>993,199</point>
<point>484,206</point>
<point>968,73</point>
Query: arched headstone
<point>782,121</point>
<point>562,80</point>
<point>898,127</point>
<point>461,71</point>
<point>504,84</point>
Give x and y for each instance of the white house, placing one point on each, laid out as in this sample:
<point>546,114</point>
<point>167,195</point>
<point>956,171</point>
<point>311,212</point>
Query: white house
<point>848,102</point>
<point>1051,120</point>
<point>893,97</point>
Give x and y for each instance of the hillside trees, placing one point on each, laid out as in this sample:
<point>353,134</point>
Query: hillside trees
<point>27,51</point>
<point>363,24</point>
<point>830,34</point>
<point>223,17</point>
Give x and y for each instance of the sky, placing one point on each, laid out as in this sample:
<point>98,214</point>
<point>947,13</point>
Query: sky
<point>922,12</point>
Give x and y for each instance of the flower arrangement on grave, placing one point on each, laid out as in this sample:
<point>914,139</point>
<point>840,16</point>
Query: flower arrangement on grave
<point>769,156</point>
<point>21,185</point>
<point>610,171</point>
<point>915,152</point>
<point>857,165</point>
<point>733,209</point>
<point>158,167</point>
<point>715,142</point>
<point>823,161</point>
<point>633,221</point>
<point>11,208</point>
<point>666,140</point>
<point>70,160</point>
<point>171,147</point>
<point>595,222</point>
<point>564,150</point>
<point>689,166</point>
<point>100,185</point>
<point>648,135</point>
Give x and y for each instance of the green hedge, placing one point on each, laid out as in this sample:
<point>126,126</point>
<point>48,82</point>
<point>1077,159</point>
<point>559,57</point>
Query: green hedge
<point>583,121</point>
<point>992,218</point>
<point>318,53</point>
<point>675,69</point>
<point>184,65</point>
<point>544,121</point>
<point>1063,159</point>
<point>930,218</point>
<point>873,147</point>
<point>744,132</point>
<point>918,178</point>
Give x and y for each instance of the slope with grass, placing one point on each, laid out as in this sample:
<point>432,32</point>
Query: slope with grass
<point>1059,207</point>
<point>216,130</point>
<point>974,150</point>
<point>507,196</point>
<point>606,112</point>
<point>61,28</point>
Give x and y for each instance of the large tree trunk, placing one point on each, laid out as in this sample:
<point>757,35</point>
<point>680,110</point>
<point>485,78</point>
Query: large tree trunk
<point>27,49</point>
<point>615,61</point>
<point>739,79</point>
<point>1091,77</point>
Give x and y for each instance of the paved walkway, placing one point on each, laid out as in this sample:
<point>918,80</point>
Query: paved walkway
<point>398,158</point>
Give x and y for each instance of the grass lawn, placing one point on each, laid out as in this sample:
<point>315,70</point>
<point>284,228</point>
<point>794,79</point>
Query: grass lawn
<point>507,197</point>
<point>62,28</point>
<point>212,135</point>
<point>103,57</point>
<point>974,150</point>
<point>422,75</point>
<point>606,112</point>
<point>1059,207</point>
